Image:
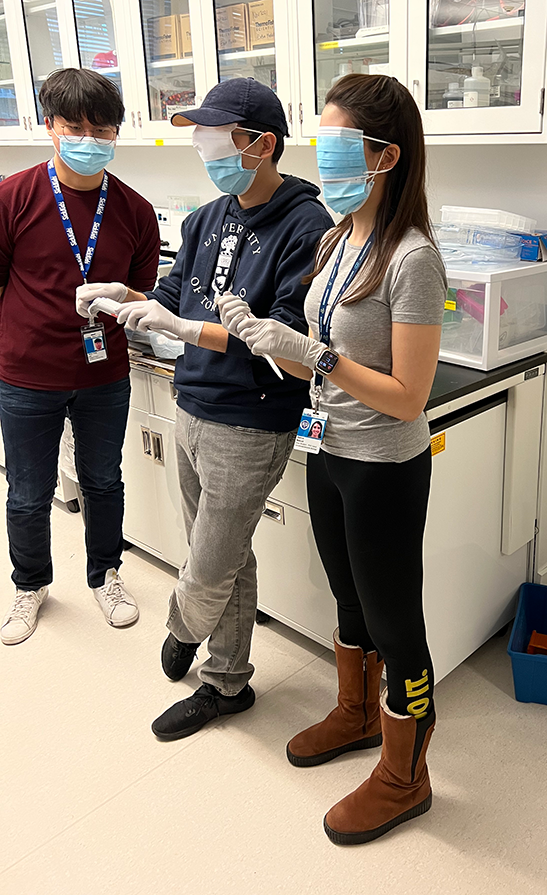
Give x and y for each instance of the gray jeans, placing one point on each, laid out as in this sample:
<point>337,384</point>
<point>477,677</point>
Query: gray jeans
<point>226,473</point>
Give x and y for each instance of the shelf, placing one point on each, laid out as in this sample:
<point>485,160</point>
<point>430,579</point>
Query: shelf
<point>41,8</point>
<point>247,54</point>
<point>7,83</point>
<point>503,29</point>
<point>108,70</point>
<point>170,63</point>
<point>372,37</point>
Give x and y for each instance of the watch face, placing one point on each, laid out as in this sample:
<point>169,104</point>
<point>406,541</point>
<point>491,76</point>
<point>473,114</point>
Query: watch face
<point>327,361</point>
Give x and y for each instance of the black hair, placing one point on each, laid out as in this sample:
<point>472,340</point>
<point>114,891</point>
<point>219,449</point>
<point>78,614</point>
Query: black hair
<point>78,93</point>
<point>264,128</point>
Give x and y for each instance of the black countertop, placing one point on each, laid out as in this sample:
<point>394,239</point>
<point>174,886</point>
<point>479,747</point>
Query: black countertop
<point>452,381</point>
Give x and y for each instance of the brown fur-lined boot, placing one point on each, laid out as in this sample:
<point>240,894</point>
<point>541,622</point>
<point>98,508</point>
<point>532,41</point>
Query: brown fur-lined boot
<point>398,788</point>
<point>355,722</point>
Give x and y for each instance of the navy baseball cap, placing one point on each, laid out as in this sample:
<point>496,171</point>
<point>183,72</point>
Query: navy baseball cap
<point>239,99</point>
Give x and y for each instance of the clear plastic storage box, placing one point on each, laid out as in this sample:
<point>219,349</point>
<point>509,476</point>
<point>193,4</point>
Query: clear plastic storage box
<point>494,316</point>
<point>487,217</point>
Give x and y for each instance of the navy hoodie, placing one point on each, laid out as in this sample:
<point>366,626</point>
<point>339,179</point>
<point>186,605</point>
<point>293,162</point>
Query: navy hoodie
<point>277,250</point>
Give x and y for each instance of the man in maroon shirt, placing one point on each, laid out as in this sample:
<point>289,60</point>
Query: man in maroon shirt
<point>63,223</point>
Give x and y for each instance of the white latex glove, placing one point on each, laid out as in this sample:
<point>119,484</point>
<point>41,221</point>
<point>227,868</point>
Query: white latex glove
<point>88,292</point>
<point>232,311</point>
<point>150,315</point>
<point>279,340</point>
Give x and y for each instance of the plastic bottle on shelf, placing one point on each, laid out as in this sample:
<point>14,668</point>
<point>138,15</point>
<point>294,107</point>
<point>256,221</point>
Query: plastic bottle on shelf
<point>453,97</point>
<point>476,89</point>
<point>345,68</point>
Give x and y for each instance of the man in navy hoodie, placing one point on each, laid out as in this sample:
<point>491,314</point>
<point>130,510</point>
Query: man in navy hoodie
<point>236,420</point>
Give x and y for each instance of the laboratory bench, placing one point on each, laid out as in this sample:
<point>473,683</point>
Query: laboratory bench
<point>484,533</point>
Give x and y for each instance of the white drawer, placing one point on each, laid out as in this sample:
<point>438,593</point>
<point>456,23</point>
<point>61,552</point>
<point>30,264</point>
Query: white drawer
<point>292,487</point>
<point>164,397</point>
<point>140,390</point>
<point>292,585</point>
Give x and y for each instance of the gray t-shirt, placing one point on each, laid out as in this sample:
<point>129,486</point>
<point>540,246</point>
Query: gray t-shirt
<point>413,291</point>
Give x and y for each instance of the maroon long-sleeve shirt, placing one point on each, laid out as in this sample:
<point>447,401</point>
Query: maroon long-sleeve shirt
<point>40,339</point>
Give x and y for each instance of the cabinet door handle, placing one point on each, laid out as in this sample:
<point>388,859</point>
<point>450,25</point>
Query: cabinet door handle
<point>157,446</point>
<point>274,511</point>
<point>139,119</point>
<point>25,122</point>
<point>415,85</point>
<point>300,113</point>
<point>133,119</point>
<point>29,123</point>
<point>146,442</point>
<point>174,392</point>
<point>289,113</point>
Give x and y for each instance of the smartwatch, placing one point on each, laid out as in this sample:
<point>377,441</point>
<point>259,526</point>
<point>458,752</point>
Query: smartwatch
<point>327,362</point>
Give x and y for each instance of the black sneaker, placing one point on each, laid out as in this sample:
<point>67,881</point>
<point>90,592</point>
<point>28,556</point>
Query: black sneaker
<point>176,657</point>
<point>191,714</point>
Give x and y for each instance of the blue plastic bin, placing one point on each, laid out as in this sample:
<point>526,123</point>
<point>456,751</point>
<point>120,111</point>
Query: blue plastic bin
<point>529,671</point>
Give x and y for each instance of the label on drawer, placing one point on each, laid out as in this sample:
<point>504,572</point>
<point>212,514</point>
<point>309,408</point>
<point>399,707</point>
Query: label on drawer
<point>450,305</point>
<point>438,443</point>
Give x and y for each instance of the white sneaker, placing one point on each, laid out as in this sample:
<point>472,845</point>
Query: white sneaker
<point>118,605</point>
<point>21,620</point>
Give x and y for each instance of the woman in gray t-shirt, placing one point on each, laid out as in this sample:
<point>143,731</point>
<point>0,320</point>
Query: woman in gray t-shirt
<point>374,309</point>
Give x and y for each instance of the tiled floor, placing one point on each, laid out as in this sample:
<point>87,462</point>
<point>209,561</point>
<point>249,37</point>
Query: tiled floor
<point>92,804</point>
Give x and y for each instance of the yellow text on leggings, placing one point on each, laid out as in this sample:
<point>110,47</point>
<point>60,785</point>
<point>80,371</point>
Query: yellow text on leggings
<point>418,707</point>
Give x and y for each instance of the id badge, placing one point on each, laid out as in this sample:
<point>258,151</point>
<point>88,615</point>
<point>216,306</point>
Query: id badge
<point>311,431</point>
<point>94,339</point>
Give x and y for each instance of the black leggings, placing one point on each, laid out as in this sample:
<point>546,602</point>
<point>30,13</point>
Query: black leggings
<point>368,520</point>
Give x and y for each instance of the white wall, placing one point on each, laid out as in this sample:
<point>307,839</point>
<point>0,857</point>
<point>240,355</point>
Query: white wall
<point>513,178</point>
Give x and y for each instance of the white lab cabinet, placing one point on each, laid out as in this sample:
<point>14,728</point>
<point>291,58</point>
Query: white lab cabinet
<point>342,38</point>
<point>469,585</point>
<point>445,41</point>
<point>153,515</point>
<point>161,70</point>
<point>292,584</point>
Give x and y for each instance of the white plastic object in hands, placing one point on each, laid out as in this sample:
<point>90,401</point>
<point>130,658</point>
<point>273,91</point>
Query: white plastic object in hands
<point>113,308</point>
<point>106,305</point>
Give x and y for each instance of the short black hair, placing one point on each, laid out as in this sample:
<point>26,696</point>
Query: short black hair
<point>263,128</point>
<point>78,93</point>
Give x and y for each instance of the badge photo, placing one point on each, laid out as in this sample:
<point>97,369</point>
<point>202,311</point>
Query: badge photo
<point>311,431</point>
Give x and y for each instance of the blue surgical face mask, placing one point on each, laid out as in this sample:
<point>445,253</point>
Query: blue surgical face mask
<point>85,157</point>
<point>347,183</point>
<point>222,158</point>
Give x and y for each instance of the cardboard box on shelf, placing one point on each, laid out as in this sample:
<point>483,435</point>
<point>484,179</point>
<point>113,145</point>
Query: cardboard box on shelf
<point>261,24</point>
<point>164,37</point>
<point>185,35</point>
<point>232,28</point>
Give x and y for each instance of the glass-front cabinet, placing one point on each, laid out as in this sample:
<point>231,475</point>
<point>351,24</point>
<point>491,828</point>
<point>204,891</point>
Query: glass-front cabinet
<point>170,64</point>
<point>13,118</point>
<point>342,37</point>
<point>478,67</point>
<point>101,27</point>
<point>50,44</point>
<point>252,41</point>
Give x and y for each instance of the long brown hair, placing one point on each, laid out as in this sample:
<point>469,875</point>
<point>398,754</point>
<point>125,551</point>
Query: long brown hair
<point>381,107</point>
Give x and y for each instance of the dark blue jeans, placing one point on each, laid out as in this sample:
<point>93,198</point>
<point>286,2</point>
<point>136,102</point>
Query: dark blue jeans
<point>32,425</point>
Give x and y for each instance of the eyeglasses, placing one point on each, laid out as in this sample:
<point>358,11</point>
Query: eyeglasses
<point>75,133</point>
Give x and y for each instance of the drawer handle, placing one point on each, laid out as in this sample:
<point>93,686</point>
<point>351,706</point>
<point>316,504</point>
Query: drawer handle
<point>275,512</point>
<point>157,444</point>
<point>146,442</point>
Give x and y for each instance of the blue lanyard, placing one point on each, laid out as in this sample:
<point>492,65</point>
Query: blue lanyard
<point>69,230</point>
<point>325,320</point>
